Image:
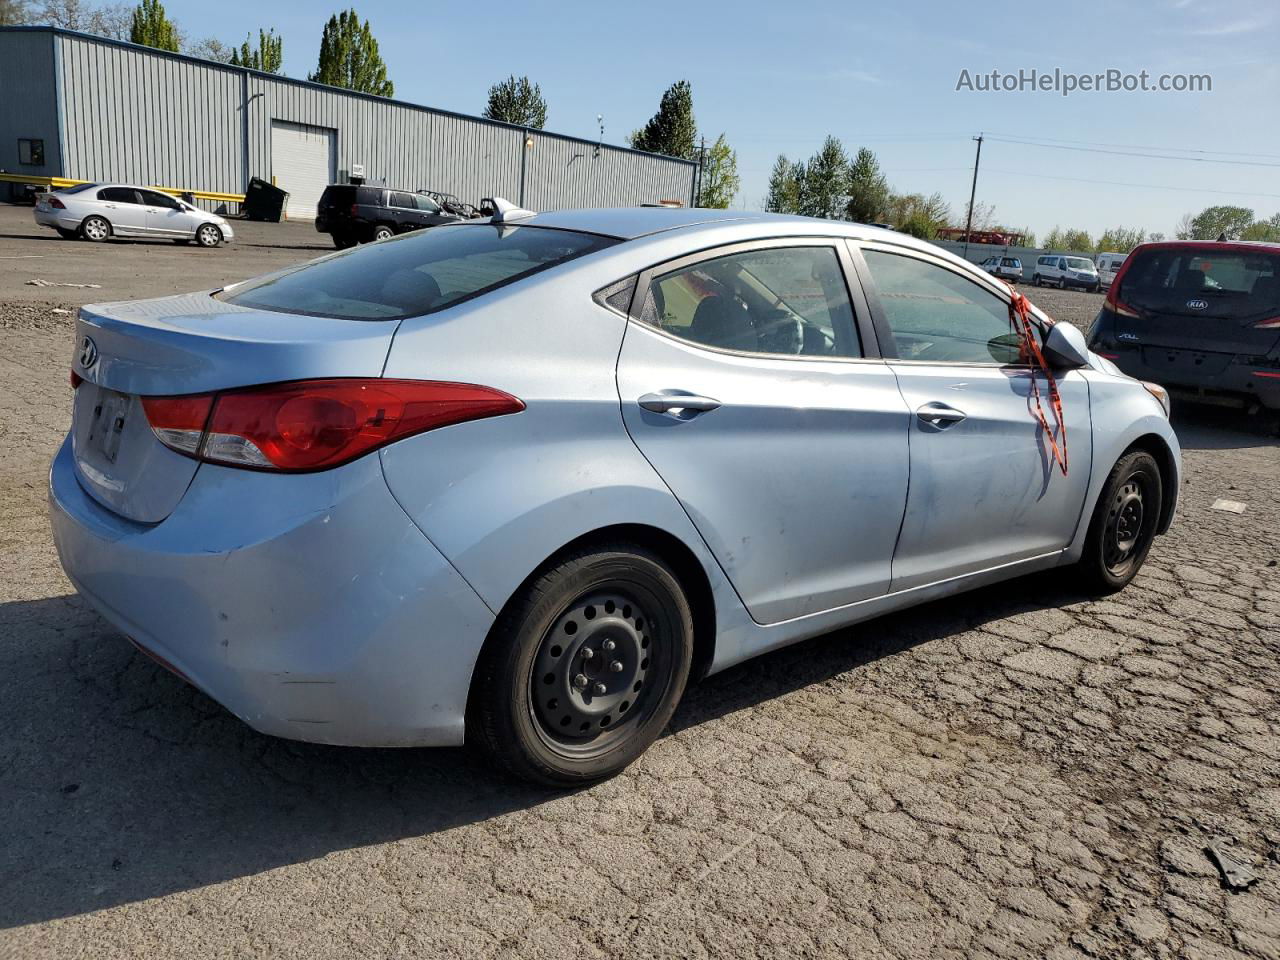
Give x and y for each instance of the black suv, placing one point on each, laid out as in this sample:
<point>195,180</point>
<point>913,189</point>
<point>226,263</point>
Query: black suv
<point>354,214</point>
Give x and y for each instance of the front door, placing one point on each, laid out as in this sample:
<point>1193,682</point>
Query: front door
<point>743,381</point>
<point>984,488</point>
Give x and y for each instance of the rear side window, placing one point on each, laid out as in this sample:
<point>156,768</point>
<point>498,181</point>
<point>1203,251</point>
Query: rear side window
<point>790,301</point>
<point>404,200</point>
<point>1204,281</point>
<point>118,195</point>
<point>417,273</point>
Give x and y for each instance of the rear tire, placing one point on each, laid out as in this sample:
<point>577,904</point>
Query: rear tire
<point>1123,525</point>
<point>342,242</point>
<point>66,234</point>
<point>584,667</point>
<point>95,229</point>
<point>1035,280</point>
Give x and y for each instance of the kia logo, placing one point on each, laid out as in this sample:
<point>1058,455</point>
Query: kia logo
<point>88,352</point>
<point>1197,304</point>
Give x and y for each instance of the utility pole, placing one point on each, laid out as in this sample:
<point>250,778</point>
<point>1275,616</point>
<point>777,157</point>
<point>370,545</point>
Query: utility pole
<point>702,159</point>
<point>973,191</point>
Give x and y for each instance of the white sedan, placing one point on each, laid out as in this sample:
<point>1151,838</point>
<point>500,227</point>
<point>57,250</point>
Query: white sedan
<point>97,212</point>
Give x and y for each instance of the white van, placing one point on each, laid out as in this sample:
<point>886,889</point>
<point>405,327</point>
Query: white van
<point>1108,265</point>
<point>1059,271</point>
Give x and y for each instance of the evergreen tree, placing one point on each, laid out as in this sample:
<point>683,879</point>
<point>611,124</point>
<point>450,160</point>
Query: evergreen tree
<point>152,27</point>
<point>720,180</point>
<point>349,57</point>
<point>268,57</point>
<point>671,131</point>
<point>784,187</point>
<point>822,189</point>
<point>868,189</point>
<point>516,100</point>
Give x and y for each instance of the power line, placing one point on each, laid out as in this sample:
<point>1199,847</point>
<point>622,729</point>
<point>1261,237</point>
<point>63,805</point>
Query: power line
<point>1147,186</point>
<point>1135,146</point>
<point>1122,153</point>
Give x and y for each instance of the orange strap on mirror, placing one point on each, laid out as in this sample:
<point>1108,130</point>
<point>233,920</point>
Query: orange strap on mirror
<point>1020,320</point>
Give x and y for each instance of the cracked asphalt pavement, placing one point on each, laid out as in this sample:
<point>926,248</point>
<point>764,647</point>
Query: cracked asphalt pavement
<point>1017,772</point>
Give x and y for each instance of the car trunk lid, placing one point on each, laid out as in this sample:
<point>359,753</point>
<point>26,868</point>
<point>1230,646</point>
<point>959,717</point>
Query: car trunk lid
<point>184,345</point>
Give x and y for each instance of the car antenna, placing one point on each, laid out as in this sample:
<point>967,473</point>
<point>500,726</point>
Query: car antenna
<point>504,211</point>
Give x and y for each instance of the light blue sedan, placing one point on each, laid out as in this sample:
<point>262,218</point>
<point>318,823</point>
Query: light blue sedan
<point>518,482</point>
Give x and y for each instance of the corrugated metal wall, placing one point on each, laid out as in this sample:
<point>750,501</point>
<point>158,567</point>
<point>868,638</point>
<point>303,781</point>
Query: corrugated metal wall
<point>28,101</point>
<point>138,115</point>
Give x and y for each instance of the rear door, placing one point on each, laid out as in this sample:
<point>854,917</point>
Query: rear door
<point>748,384</point>
<point>1192,309</point>
<point>984,488</point>
<point>124,210</point>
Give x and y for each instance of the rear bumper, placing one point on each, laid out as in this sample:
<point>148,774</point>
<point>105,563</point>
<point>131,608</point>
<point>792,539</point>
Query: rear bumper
<point>56,219</point>
<point>308,605</point>
<point>1239,383</point>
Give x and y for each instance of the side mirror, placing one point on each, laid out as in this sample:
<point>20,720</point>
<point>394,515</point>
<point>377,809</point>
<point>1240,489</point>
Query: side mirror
<point>1065,347</point>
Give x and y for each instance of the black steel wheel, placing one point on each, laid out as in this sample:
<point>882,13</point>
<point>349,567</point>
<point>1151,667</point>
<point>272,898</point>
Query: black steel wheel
<point>584,667</point>
<point>1124,523</point>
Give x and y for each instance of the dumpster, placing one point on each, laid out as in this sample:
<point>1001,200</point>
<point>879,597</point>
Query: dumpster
<point>264,202</point>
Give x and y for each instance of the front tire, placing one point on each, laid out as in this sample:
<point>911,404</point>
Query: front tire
<point>1123,525</point>
<point>95,229</point>
<point>383,232</point>
<point>208,235</point>
<point>584,667</point>
<point>1035,280</point>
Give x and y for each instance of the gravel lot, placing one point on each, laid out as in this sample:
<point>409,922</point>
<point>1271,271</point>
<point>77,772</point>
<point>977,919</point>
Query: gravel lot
<point>1018,772</point>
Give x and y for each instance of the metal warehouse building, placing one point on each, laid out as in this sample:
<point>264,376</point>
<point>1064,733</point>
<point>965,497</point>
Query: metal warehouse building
<point>86,108</point>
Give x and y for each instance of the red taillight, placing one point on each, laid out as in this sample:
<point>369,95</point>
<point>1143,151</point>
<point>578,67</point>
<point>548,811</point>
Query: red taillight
<point>76,380</point>
<point>57,204</point>
<point>1271,324</point>
<point>315,424</point>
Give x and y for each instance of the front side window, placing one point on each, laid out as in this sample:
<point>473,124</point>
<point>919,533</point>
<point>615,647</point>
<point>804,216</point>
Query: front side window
<point>420,272</point>
<point>426,204</point>
<point>31,152</point>
<point>153,198</point>
<point>790,301</point>
<point>938,316</point>
<point>403,200</point>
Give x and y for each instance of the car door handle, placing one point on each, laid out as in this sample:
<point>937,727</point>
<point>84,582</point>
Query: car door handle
<point>940,415</point>
<point>669,400</point>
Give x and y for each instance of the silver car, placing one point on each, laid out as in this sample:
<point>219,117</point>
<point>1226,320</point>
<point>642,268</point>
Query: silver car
<point>99,211</point>
<point>517,482</point>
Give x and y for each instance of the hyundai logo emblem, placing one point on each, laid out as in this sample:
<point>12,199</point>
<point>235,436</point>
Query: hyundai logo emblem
<point>88,352</point>
<point>1197,304</point>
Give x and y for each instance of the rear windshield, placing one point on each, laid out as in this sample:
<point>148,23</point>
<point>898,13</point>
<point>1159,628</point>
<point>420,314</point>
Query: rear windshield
<point>1011,262</point>
<point>1204,281</point>
<point>78,187</point>
<point>342,194</point>
<point>415,273</point>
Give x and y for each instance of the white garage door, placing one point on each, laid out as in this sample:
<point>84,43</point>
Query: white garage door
<point>304,162</point>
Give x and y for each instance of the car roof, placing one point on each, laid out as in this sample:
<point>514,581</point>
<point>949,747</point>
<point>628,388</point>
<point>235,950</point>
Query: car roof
<point>628,223</point>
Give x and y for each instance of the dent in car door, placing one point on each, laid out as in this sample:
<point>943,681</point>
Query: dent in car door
<point>789,456</point>
<point>984,487</point>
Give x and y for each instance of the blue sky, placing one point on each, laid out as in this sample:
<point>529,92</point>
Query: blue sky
<point>777,77</point>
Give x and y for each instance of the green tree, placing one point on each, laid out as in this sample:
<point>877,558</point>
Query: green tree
<point>14,13</point>
<point>1155,237</point>
<point>268,56</point>
<point>1120,240</point>
<point>720,180</point>
<point>1268,230</point>
<point>349,57</point>
<point>784,187</point>
<point>516,100</point>
<point>1213,222</point>
<point>672,130</point>
<point>867,188</point>
<point>152,27</point>
<point>1069,241</point>
<point>822,187</point>
<point>925,215</point>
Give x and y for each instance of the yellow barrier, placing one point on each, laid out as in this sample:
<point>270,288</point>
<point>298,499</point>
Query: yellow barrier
<point>59,183</point>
